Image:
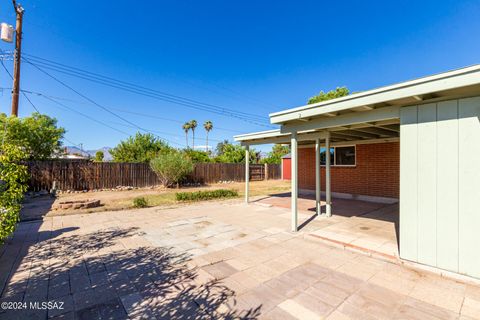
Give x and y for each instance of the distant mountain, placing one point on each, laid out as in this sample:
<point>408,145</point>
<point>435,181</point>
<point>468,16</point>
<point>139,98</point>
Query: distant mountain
<point>90,153</point>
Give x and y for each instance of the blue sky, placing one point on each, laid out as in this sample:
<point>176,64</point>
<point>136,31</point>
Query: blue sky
<point>251,56</point>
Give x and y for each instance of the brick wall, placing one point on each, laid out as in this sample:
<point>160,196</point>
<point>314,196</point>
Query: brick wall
<point>377,172</point>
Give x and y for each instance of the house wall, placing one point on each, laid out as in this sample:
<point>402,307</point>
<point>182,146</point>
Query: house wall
<point>440,185</point>
<point>376,173</point>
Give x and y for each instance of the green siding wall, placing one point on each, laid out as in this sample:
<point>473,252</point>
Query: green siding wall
<point>440,185</point>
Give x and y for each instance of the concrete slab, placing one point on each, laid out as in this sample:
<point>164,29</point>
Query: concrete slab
<point>217,260</point>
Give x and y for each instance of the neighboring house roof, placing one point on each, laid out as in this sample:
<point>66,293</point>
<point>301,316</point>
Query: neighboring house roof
<point>287,156</point>
<point>71,156</point>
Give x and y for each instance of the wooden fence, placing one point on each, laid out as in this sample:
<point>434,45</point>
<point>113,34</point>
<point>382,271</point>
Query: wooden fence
<point>87,175</point>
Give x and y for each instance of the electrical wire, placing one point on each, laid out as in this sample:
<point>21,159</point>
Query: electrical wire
<point>168,134</point>
<point>248,119</point>
<point>167,119</point>
<point>64,67</point>
<point>147,115</point>
<point>30,101</point>
<point>85,115</point>
<point>155,94</point>
<point>91,100</point>
<point>65,107</point>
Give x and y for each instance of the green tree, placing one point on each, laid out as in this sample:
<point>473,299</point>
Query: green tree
<point>38,135</point>
<point>139,148</point>
<point>193,125</point>
<point>13,184</point>
<point>99,155</point>
<point>198,156</point>
<point>171,167</point>
<point>236,154</point>
<point>186,128</point>
<point>208,125</point>
<point>275,156</point>
<point>332,94</point>
<point>220,146</point>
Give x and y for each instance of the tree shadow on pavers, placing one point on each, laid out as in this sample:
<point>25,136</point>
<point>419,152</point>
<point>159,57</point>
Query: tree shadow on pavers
<point>36,208</point>
<point>76,245</point>
<point>39,252</point>
<point>143,282</point>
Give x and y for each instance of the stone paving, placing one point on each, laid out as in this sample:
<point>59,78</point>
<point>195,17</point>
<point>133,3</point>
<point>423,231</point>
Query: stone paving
<point>217,260</point>
<point>368,226</point>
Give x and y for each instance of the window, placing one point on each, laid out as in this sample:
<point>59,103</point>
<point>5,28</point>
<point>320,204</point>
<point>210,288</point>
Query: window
<point>323,156</point>
<point>345,156</point>
<point>339,156</point>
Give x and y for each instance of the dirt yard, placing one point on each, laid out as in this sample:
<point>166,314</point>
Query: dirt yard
<point>36,208</point>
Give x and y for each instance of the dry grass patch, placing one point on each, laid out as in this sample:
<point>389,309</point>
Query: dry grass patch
<point>121,200</point>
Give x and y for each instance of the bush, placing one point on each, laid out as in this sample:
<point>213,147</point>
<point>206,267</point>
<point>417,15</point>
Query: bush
<point>13,184</point>
<point>198,156</point>
<point>206,195</point>
<point>140,202</point>
<point>171,167</point>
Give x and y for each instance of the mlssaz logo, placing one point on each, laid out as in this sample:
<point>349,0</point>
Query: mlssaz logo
<point>46,305</point>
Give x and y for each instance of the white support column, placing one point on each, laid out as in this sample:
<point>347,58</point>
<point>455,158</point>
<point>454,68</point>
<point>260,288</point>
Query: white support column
<point>328,191</point>
<point>247,172</point>
<point>318,197</point>
<point>294,181</point>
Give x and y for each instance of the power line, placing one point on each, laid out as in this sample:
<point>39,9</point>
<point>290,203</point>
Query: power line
<point>167,119</point>
<point>125,86</point>
<point>91,100</point>
<point>71,142</point>
<point>147,115</point>
<point>135,91</point>
<point>30,101</point>
<point>246,118</point>
<point>104,123</point>
<point>64,106</point>
<point>50,63</point>
<point>169,134</point>
<point>84,115</point>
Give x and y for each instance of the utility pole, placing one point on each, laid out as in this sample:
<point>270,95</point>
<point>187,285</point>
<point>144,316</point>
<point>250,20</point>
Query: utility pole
<point>18,56</point>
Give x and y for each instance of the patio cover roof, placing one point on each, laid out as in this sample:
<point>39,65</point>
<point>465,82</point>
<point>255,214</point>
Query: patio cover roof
<point>365,117</point>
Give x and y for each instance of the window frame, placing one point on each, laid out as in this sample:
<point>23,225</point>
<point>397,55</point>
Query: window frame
<point>345,165</point>
<point>334,164</point>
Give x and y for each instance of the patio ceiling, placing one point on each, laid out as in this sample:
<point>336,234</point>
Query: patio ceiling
<point>381,131</point>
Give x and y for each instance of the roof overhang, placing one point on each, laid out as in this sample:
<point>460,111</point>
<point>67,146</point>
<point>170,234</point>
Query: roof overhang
<point>366,117</point>
<point>275,136</point>
<point>458,82</point>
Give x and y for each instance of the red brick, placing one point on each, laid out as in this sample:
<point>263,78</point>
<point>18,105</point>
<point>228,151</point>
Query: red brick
<point>377,172</point>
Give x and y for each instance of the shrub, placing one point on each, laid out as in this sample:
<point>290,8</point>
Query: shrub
<point>13,183</point>
<point>139,148</point>
<point>198,156</point>
<point>206,195</point>
<point>171,167</point>
<point>140,202</point>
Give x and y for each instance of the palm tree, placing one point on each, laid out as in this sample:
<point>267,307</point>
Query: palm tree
<point>193,126</point>
<point>186,128</point>
<point>208,125</point>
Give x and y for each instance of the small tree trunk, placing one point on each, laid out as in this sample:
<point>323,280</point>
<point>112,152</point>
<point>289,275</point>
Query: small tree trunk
<point>193,139</point>
<point>207,141</point>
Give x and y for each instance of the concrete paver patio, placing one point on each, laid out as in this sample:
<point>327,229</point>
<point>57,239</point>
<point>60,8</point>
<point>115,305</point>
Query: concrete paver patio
<point>368,226</point>
<point>224,260</point>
